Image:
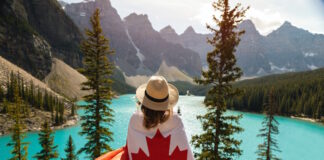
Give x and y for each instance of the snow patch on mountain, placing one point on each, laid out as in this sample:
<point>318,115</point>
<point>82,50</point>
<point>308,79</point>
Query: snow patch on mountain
<point>86,1</point>
<point>312,67</point>
<point>82,14</point>
<point>309,54</point>
<point>280,69</point>
<point>261,71</point>
<point>138,53</point>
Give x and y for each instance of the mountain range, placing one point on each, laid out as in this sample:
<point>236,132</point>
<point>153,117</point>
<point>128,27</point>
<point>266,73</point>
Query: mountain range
<point>286,49</point>
<point>140,50</point>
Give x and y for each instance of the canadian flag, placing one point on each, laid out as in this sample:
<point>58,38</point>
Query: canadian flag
<point>167,141</point>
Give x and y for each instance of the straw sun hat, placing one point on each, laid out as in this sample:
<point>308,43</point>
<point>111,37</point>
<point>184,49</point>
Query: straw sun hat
<point>157,94</point>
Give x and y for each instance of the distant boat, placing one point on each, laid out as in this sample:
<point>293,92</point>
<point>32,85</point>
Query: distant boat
<point>179,111</point>
<point>188,93</point>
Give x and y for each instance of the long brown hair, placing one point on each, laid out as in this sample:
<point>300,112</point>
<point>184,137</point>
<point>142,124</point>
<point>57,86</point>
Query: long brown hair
<point>152,118</point>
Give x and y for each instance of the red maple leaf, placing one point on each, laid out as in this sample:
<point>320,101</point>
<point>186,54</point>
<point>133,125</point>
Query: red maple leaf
<point>159,148</point>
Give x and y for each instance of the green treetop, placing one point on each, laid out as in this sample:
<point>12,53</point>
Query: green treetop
<point>70,150</point>
<point>46,140</point>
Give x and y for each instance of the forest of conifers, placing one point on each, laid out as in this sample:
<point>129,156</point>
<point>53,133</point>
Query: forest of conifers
<point>33,96</point>
<point>298,94</point>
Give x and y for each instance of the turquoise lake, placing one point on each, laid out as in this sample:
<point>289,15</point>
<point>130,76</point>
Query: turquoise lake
<point>298,140</point>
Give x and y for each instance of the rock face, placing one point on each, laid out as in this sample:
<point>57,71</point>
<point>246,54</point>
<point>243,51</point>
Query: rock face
<point>250,52</point>
<point>140,49</point>
<point>19,42</point>
<point>286,49</point>
<point>155,49</point>
<point>189,39</point>
<point>33,31</point>
<point>294,48</point>
<point>113,28</point>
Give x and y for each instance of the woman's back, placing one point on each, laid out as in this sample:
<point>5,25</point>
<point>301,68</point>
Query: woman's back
<point>164,142</point>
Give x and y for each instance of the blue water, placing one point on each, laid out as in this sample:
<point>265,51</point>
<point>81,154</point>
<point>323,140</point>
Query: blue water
<point>298,140</point>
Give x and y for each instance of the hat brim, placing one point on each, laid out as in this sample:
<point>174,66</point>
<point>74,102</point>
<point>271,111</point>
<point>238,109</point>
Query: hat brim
<point>158,106</point>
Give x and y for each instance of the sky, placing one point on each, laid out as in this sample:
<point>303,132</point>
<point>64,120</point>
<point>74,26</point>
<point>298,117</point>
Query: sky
<point>267,15</point>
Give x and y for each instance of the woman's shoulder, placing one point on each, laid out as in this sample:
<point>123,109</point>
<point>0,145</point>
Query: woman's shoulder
<point>136,122</point>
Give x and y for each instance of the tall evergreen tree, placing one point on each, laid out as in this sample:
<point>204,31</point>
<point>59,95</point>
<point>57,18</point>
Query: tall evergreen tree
<point>217,141</point>
<point>19,151</point>
<point>97,68</point>
<point>69,150</point>
<point>47,142</point>
<point>270,127</point>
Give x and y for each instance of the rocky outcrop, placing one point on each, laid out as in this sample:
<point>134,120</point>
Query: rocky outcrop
<point>33,31</point>
<point>50,21</point>
<point>19,42</point>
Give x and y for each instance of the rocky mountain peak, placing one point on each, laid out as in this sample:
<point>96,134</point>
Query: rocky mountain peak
<point>168,30</point>
<point>286,24</point>
<point>138,18</point>
<point>249,27</point>
<point>170,35</point>
<point>189,31</point>
<point>289,30</point>
<point>104,4</point>
<point>140,21</point>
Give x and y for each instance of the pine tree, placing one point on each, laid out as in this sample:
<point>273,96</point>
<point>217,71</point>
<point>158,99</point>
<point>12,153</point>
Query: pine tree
<point>57,119</point>
<point>61,111</point>
<point>69,150</point>
<point>97,68</point>
<point>73,106</point>
<point>217,141</point>
<point>270,128</point>
<point>47,142</point>
<point>19,151</point>
<point>39,99</point>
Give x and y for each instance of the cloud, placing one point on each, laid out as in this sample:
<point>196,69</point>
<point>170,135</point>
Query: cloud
<point>265,20</point>
<point>267,15</point>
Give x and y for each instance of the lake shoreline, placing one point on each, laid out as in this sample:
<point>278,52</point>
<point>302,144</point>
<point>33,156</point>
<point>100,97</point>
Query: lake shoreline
<point>302,118</point>
<point>31,126</point>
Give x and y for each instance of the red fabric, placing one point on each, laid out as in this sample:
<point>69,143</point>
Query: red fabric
<point>159,148</point>
<point>119,154</point>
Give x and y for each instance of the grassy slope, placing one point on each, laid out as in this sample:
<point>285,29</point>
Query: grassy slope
<point>67,81</point>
